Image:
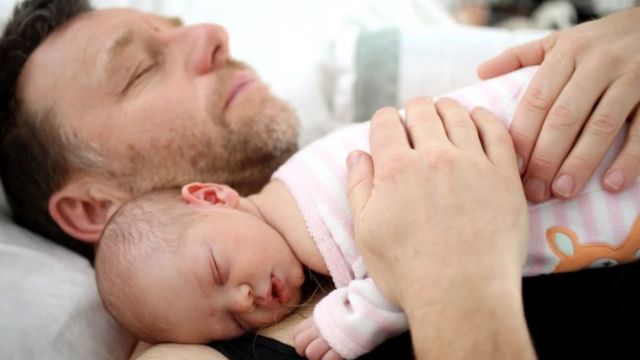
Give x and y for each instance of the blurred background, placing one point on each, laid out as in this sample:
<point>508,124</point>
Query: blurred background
<point>532,14</point>
<point>512,14</point>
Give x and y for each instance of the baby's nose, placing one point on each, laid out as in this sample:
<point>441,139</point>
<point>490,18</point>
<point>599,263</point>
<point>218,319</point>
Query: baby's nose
<point>243,301</point>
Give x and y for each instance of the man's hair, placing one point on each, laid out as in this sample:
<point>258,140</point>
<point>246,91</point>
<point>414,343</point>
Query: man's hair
<point>34,156</point>
<point>142,232</point>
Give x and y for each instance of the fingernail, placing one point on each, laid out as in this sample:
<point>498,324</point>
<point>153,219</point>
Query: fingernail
<point>520,163</point>
<point>479,110</point>
<point>535,189</point>
<point>615,180</point>
<point>563,186</point>
<point>353,159</point>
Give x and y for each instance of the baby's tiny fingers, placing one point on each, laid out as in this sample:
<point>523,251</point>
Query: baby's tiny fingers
<point>303,337</point>
<point>302,326</point>
<point>317,349</point>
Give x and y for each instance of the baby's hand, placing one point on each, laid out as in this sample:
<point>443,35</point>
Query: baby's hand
<point>309,342</point>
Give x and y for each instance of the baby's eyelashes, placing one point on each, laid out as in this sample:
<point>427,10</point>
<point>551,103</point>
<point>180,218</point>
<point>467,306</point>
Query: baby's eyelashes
<point>215,271</point>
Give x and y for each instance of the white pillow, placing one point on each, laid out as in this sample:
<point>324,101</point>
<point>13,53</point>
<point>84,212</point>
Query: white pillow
<point>50,307</point>
<point>389,66</point>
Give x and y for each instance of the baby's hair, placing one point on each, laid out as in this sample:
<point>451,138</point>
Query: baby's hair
<point>148,227</point>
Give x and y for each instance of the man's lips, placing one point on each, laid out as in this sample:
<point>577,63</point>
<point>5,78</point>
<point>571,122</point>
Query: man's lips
<point>239,83</point>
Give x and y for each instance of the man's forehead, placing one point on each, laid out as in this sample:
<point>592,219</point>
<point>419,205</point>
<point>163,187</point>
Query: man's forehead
<point>87,34</point>
<point>90,30</point>
<point>71,53</point>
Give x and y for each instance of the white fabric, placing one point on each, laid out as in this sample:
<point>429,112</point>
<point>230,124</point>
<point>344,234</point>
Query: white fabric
<point>49,306</point>
<point>432,61</point>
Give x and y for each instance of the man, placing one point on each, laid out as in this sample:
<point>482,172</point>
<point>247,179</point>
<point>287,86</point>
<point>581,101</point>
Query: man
<point>109,104</point>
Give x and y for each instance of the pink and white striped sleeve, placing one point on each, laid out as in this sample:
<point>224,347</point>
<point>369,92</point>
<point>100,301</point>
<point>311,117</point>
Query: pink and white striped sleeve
<point>356,318</point>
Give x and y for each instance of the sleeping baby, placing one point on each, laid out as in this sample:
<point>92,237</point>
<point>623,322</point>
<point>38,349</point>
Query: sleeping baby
<point>205,264</point>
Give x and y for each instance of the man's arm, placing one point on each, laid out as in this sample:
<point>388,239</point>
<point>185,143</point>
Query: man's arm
<point>441,221</point>
<point>471,321</point>
<point>585,90</point>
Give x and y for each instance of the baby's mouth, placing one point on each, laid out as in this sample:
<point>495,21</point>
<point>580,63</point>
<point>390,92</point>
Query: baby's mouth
<point>279,290</point>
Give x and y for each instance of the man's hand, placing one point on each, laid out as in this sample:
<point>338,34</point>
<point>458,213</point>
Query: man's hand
<point>441,221</point>
<point>443,197</point>
<point>587,86</point>
<point>310,343</point>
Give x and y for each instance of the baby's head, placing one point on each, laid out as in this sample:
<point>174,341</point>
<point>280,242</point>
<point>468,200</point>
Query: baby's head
<point>195,266</point>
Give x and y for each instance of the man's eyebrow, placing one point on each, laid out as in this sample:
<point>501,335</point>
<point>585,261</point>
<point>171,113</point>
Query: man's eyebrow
<point>116,49</point>
<point>125,39</point>
<point>173,21</point>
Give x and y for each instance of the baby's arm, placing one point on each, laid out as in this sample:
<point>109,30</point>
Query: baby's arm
<point>353,320</point>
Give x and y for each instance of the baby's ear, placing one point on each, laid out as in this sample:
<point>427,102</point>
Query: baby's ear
<point>210,194</point>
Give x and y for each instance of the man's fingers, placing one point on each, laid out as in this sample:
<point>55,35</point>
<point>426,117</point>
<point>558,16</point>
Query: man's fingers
<point>461,130</point>
<point>496,141</point>
<point>360,180</point>
<point>561,127</point>
<point>625,169</point>
<point>597,136</point>
<point>528,54</point>
<point>387,131</point>
<point>540,95</point>
<point>423,123</point>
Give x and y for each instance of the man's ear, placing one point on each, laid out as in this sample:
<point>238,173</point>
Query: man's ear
<point>83,206</point>
<point>210,194</point>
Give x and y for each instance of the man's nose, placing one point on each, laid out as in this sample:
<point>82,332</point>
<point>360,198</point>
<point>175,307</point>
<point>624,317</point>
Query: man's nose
<point>243,301</point>
<point>205,47</point>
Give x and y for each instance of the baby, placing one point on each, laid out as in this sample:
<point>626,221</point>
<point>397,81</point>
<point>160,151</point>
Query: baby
<point>208,264</point>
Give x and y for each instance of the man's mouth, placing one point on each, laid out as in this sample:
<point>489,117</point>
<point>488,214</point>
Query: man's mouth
<point>239,83</point>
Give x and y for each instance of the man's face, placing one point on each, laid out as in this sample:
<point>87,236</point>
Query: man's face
<point>163,104</point>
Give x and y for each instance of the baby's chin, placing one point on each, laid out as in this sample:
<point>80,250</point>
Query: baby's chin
<point>277,315</point>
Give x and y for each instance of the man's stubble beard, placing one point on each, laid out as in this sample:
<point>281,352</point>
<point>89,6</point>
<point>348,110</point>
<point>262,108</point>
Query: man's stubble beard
<point>242,152</point>
<point>253,145</point>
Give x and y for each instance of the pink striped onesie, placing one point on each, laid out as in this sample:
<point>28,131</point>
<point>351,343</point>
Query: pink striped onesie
<point>593,229</point>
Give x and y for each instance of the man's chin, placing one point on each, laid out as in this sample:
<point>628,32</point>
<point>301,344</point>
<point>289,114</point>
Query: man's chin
<point>260,139</point>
